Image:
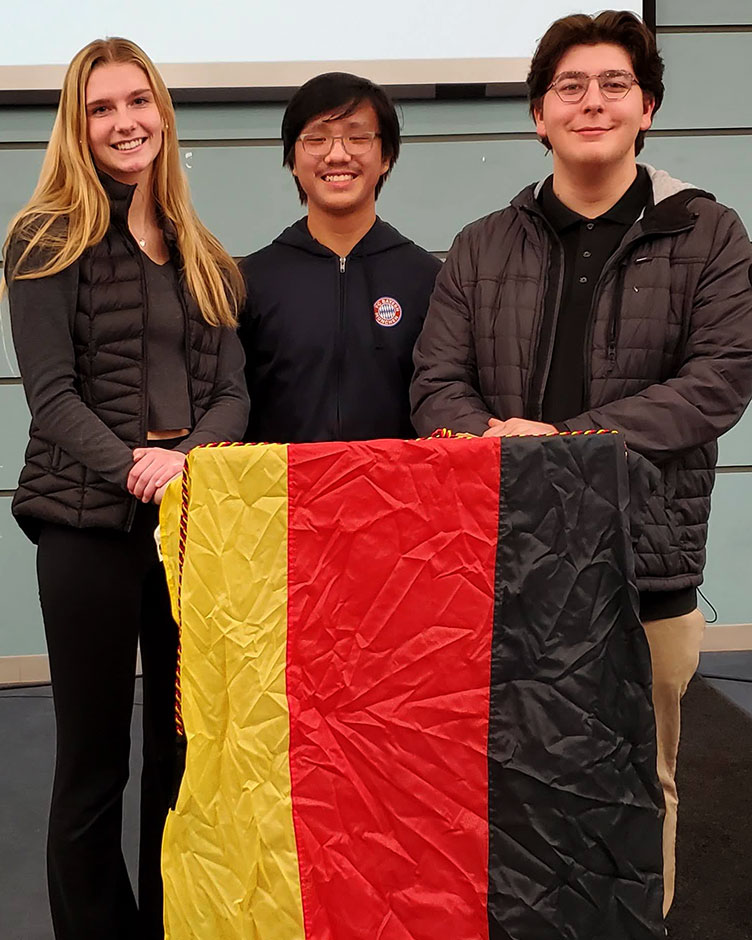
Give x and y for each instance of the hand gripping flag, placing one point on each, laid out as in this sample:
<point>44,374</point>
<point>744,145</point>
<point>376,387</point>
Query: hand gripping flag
<point>415,693</point>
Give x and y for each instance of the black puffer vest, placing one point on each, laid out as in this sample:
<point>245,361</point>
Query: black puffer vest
<point>107,330</point>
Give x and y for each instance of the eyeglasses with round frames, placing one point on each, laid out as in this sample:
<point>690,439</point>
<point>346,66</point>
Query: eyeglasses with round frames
<point>319,145</point>
<point>572,87</point>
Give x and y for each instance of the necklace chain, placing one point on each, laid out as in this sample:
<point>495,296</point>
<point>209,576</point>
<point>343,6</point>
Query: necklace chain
<point>141,239</point>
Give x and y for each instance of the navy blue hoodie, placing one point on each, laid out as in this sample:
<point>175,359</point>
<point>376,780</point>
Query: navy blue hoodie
<point>329,340</point>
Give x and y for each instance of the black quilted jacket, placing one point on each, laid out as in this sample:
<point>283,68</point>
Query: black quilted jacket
<point>668,359</point>
<point>79,337</point>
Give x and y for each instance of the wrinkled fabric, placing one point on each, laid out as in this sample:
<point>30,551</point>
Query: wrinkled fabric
<point>575,840</point>
<point>414,693</point>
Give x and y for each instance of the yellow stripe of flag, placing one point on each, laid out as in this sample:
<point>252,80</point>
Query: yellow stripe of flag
<point>234,807</point>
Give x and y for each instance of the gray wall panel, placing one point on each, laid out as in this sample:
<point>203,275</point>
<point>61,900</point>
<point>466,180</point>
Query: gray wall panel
<point>229,121</point>
<point>438,188</point>
<point>735,447</point>
<point>21,632</point>
<point>718,164</point>
<point>417,118</point>
<point>8,361</point>
<point>453,118</point>
<point>262,121</point>
<point>15,434</point>
<point>727,580</point>
<point>702,13</point>
<point>242,193</point>
<point>19,171</point>
<point>25,125</point>
<point>694,99</point>
<point>247,198</point>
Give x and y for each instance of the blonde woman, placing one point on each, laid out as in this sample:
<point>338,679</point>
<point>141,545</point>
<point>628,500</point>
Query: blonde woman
<point>123,310</point>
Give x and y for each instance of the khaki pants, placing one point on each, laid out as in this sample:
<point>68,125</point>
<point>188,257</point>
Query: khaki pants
<point>675,653</point>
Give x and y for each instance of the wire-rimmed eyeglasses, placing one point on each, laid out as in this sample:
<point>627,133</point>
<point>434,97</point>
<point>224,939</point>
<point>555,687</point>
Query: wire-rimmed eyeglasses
<point>572,87</point>
<point>319,145</point>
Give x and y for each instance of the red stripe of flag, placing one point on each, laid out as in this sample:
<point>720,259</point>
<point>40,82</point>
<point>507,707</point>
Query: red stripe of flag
<point>392,550</point>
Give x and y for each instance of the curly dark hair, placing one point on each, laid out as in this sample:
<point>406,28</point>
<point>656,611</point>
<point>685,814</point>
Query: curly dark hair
<point>616,27</point>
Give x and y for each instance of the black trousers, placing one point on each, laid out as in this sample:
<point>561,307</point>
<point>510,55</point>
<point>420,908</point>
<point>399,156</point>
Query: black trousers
<point>102,591</point>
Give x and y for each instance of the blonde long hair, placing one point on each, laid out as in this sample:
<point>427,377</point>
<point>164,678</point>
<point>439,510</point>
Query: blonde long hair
<point>69,210</point>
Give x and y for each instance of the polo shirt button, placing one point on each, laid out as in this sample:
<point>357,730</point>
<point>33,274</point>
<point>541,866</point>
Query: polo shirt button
<point>585,254</point>
<point>583,280</point>
<point>590,226</point>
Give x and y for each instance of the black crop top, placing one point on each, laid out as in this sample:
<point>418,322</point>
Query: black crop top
<point>167,376</point>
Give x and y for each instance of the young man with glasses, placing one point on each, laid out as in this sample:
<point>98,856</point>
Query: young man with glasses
<point>608,296</point>
<point>336,302</point>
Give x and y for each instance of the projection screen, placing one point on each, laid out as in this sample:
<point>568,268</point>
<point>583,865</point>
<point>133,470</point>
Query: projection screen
<point>257,50</point>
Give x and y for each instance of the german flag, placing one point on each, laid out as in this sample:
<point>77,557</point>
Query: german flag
<point>415,693</point>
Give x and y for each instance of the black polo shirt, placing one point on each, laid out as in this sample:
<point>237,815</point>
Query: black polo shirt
<point>586,246</point>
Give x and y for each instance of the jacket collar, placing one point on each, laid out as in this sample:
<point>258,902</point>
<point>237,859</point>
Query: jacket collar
<point>625,212</point>
<point>671,202</point>
<point>121,197</point>
<point>380,237</point>
<point>119,194</point>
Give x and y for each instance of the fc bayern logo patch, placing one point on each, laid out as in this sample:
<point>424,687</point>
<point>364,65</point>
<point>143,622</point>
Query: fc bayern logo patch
<point>387,311</point>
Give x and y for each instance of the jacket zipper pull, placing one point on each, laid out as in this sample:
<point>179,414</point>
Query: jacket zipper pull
<point>613,326</point>
<point>342,263</point>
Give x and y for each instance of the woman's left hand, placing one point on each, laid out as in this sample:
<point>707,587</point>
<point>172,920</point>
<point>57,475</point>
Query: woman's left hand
<point>157,499</point>
<point>153,468</point>
<point>517,427</point>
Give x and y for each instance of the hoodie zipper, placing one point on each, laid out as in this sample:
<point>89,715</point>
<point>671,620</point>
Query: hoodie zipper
<point>340,342</point>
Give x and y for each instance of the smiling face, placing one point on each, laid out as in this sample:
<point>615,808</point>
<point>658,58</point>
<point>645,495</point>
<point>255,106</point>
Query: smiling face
<point>594,132</point>
<point>124,126</point>
<point>339,183</point>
